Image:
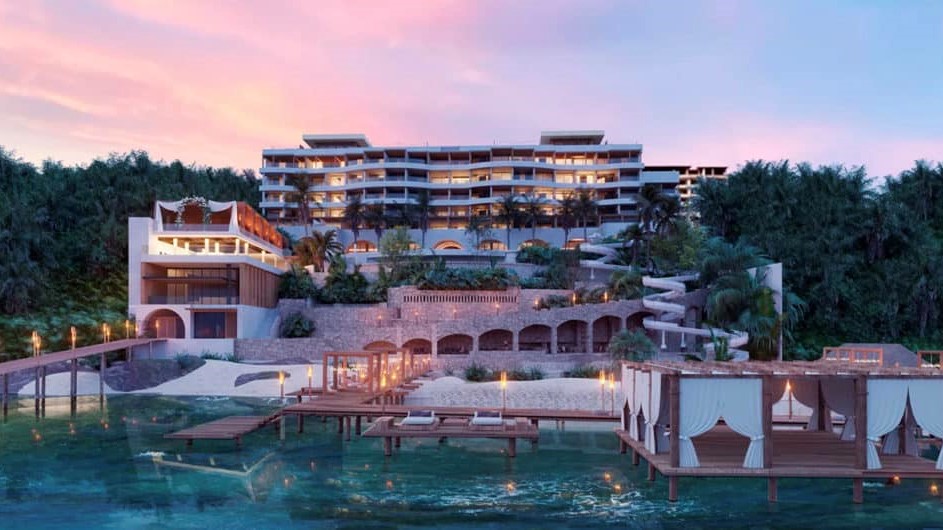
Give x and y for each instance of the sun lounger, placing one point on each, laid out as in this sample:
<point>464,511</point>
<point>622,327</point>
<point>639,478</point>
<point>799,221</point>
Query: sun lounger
<point>488,420</point>
<point>419,418</point>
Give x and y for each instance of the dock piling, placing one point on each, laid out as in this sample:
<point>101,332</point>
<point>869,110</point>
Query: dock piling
<point>857,490</point>
<point>346,428</point>
<point>73,387</point>
<point>301,423</point>
<point>672,489</point>
<point>512,447</point>
<point>387,446</point>
<point>651,472</point>
<point>6,395</point>
<point>101,380</point>
<point>772,490</point>
<point>357,425</point>
<point>42,396</point>
<point>36,392</point>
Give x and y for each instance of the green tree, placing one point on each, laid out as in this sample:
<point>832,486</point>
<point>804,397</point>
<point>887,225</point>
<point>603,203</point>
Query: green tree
<point>586,208</point>
<point>375,218</point>
<point>631,345</point>
<point>509,214</point>
<point>532,213</point>
<point>566,215</point>
<point>318,249</point>
<point>300,184</point>
<point>354,215</point>
<point>424,210</point>
<point>478,227</point>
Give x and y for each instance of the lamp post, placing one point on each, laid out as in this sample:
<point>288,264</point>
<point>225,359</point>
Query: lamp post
<point>37,344</point>
<point>310,376</point>
<point>72,336</point>
<point>127,329</point>
<point>602,389</point>
<point>504,390</point>
<point>157,329</point>
<point>789,394</point>
<point>281,384</point>
<point>612,391</point>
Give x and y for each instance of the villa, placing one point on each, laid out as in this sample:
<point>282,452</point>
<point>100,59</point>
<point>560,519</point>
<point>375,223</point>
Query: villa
<point>467,181</point>
<point>203,271</point>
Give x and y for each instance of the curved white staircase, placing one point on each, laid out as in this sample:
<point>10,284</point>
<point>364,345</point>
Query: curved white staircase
<point>673,313</point>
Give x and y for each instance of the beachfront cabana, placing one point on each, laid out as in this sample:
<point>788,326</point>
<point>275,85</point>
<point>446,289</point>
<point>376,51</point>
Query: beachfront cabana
<point>368,380</point>
<point>672,416</point>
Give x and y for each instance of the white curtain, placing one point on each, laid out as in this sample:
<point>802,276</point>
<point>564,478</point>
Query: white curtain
<point>887,399</point>
<point>742,409</point>
<point>891,443</point>
<point>925,397</point>
<point>641,402</point>
<point>651,415</point>
<point>806,391</point>
<point>839,395</point>
<point>700,408</point>
<point>628,389</point>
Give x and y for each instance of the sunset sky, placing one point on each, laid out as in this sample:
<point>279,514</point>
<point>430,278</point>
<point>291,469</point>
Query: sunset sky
<point>714,82</point>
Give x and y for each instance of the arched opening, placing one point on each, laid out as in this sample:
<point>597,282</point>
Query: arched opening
<point>574,243</point>
<point>492,244</point>
<point>604,328</point>
<point>165,324</point>
<point>419,346</point>
<point>635,320</point>
<point>380,345</point>
<point>448,244</point>
<point>571,337</point>
<point>535,337</point>
<point>496,340</point>
<point>454,345</point>
<point>361,245</point>
<point>535,243</point>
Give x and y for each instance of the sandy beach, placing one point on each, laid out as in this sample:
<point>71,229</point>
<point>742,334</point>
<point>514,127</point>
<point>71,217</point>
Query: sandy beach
<point>217,378</point>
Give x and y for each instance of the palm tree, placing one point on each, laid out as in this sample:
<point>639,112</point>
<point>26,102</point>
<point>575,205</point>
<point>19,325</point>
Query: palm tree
<point>626,285</point>
<point>478,227</point>
<point>423,208</point>
<point>631,346</point>
<point>375,217</point>
<point>300,183</point>
<point>354,215</point>
<point>533,212</point>
<point>650,200</point>
<point>566,215</point>
<point>667,215</point>
<point>319,248</point>
<point>635,235</point>
<point>586,208</point>
<point>509,214</point>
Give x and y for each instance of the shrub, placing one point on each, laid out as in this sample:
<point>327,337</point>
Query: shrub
<point>296,326</point>
<point>530,374</point>
<point>228,357</point>
<point>586,371</point>
<point>463,279</point>
<point>296,283</point>
<point>631,346</point>
<point>189,363</point>
<point>554,300</point>
<point>537,255</point>
<point>477,373</point>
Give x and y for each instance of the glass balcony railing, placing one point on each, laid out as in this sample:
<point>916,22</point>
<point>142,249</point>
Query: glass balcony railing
<point>192,299</point>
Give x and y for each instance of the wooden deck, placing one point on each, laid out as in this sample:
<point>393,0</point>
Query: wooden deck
<point>231,428</point>
<point>333,408</point>
<point>796,454</point>
<point>519,428</point>
<point>68,355</point>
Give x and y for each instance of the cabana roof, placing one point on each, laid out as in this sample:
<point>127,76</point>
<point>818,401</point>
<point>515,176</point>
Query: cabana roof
<point>784,369</point>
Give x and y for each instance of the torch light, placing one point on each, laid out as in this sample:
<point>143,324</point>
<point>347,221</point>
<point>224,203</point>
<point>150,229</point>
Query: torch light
<point>504,390</point>
<point>72,336</point>
<point>602,388</point>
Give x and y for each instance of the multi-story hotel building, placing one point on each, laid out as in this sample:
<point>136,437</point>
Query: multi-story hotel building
<point>462,182</point>
<point>203,270</point>
<point>688,177</point>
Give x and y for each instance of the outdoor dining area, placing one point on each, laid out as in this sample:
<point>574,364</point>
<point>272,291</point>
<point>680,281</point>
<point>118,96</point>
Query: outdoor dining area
<point>714,419</point>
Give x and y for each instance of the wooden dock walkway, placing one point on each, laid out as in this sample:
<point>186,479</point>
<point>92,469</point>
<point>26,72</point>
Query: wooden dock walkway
<point>40,362</point>
<point>231,428</point>
<point>519,428</point>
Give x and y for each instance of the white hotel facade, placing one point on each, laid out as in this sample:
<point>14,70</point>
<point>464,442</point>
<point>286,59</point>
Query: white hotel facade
<point>462,181</point>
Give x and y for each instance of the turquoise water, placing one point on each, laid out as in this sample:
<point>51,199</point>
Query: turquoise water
<point>96,472</point>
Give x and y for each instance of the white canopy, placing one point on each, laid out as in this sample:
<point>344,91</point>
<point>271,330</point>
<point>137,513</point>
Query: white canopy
<point>213,207</point>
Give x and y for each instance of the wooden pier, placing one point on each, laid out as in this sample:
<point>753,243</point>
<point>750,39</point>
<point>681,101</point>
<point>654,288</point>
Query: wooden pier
<point>38,363</point>
<point>519,428</point>
<point>231,428</point>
